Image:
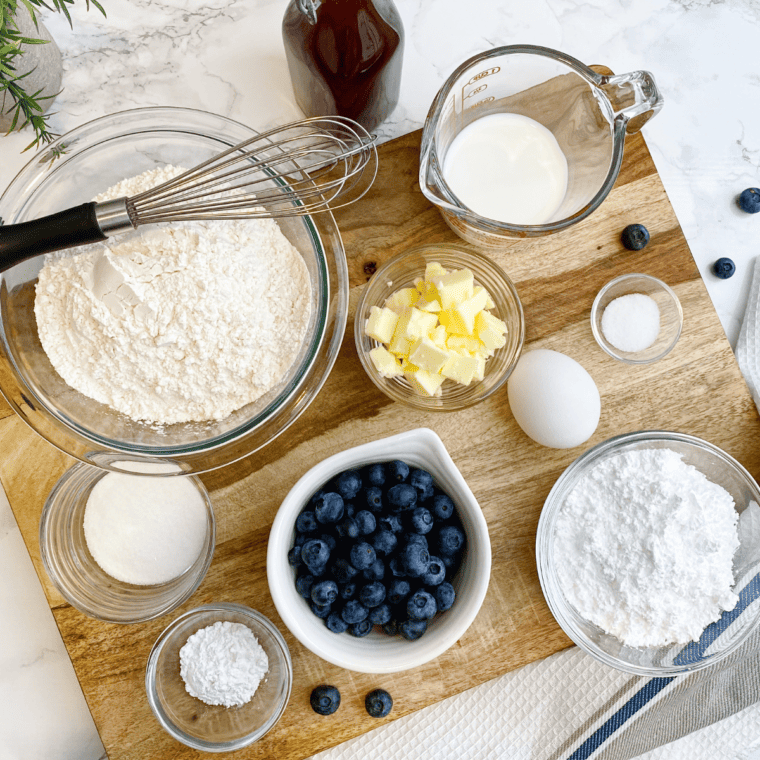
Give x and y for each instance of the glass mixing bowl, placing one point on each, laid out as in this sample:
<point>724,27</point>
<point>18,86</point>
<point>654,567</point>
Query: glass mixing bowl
<point>96,156</point>
<point>719,639</point>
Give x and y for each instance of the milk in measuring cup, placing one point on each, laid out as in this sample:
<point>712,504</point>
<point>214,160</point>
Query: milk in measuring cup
<point>507,167</point>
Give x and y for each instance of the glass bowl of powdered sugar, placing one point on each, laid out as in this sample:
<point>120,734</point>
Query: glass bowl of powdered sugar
<point>196,342</point>
<point>648,553</point>
<point>219,677</point>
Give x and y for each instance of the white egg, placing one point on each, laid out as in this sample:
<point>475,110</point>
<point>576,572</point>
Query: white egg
<point>554,400</point>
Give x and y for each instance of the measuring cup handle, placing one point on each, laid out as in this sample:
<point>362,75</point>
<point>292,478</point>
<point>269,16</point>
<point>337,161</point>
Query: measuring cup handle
<point>634,98</point>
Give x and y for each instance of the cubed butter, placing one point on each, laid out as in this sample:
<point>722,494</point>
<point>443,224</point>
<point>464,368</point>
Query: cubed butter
<point>453,287</point>
<point>489,301</point>
<point>384,361</point>
<point>413,323</point>
<point>438,335</point>
<point>452,320</point>
<point>490,330</point>
<point>402,298</point>
<point>381,324</point>
<point>426,383</point>
<point>426,355</point>
<point>463,344</point>
<point>401,346</point>
<point>480,367</point>
<point>433,268</point>
<point>468,309</point>
<point>461,369</point>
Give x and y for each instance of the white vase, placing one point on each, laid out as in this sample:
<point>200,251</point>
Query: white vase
<point>43,61</point>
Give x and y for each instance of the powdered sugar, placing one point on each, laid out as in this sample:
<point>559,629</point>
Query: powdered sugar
<point>644,547</point>
<point>177,322</point>
<point>223,664</point>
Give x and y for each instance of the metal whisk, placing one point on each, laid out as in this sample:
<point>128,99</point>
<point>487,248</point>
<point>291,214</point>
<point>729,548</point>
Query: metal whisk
<point>305,167</point>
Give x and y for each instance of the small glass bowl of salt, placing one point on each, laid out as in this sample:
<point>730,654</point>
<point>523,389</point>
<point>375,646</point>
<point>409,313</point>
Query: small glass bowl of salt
<point>636,319</point>
<point>219,677</point>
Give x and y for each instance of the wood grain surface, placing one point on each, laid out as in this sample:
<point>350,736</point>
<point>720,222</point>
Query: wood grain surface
<point>697,389</point>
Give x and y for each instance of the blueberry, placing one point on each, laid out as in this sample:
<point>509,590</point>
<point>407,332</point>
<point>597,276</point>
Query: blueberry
<point>635,237</point>
<point>349,509</point>
<point>443,506</point>
<point>306,522</point>
<point>325,700</point>
<point>324,592</point>
<point>390,628</point>
<point>329,539</point>
<point>724,268</point>
<point>444,596</point>
<point>375,572</point>
<point>398,590</point>
<point>421,520</point>
<point>316,496</point>
<point>749,200</point>
<point>450,540</point>
<point>372,594</point>
<point>301,539</point>
<point>347,591</point>
<point>415,538</point>
<point>435,573</point>
<point>384,542</point>
<point>342,570</point>
<point>366,522</point>
<point>348,483</point>
<point>336,623</point>
<point>304,584</point>
<point>349,528</point>
<point>412,629</point>
<point>362,555</point>
<point>414,559</point>
<point>379,615</point>
<point>397,471</point>
<point>378,703</point>
<point>362,628</point>
<point>315,554</point>
<point>396,568</point>
<point>423,482</point>
<point>374,474</point>
<point>421,605</point>
<point>321,610</point>
<point>329,508</point>
<point>294,557</point>
<point>391,523</point>
<point>401,497</point>
<point>354,612</point>
<point>373,498</point>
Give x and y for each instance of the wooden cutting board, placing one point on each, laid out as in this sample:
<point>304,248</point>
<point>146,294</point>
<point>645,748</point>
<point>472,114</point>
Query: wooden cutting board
<point>696,389</point>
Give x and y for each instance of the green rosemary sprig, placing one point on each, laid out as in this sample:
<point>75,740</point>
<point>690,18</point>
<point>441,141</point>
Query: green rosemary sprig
<point>25,106</point>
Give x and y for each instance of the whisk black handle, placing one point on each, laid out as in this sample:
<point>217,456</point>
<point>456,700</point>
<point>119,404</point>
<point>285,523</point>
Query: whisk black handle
<point>66,229</point>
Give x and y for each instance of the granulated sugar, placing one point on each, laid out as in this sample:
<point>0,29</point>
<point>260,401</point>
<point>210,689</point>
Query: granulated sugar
<point>644,547</point>
<point>177,323</point>
<point>632,322</point>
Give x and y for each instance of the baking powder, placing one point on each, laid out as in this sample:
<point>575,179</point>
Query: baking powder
<point>223,664</point>
<point>179,322</point>
<point>644,546</point>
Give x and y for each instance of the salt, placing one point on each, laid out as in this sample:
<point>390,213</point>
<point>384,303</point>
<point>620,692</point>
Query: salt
<point>631,323</point>
<point>145,530</point>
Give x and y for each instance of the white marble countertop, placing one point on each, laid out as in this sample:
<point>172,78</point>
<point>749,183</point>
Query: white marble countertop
<point>226,56</point>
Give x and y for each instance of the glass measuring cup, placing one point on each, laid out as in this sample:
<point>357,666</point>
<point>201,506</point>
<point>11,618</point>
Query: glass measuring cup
<point>588,113</point>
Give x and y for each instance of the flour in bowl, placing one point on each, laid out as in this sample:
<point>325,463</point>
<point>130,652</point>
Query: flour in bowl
<point>644,548</point>
<point>176,323</point>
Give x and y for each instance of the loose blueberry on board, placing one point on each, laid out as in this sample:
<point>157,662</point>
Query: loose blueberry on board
<point>749,200</point>
<point>378,703</point>
<point>724,268</point>
<point>369,564</point>
<point>325,699</point>
<point>635,237</point>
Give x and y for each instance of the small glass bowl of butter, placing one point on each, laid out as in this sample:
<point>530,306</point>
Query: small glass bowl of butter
<point>439,327</point>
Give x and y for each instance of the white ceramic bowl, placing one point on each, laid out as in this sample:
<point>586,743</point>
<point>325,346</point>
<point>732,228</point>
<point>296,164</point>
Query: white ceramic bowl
<point>378,653</point>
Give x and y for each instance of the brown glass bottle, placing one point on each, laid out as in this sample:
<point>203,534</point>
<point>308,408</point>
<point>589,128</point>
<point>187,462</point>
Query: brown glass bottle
<point>345,57</point>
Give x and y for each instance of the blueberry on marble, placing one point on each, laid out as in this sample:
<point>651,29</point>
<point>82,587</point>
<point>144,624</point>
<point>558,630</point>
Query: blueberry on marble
<point>329,508</point>
<point>401,497</point>
<point>421,520</point>
<point>348,483</point>
<point>450,540</point>
<point>366,522</point>
<point>336,623</point>
<point>443,506</point>
<point>421,605</point>
<point>379,615</point>
<point>724,268</point>
<point>306,522</point>
<point>325,699</point>
<point>324,592</point>
<point>397,471</point>
<point>354,611</point>
<point>384,542</point>
<point>378,703</point>
<point>412,629</point>
<point>362,555</point>
<point>749,200</point>
<point>444,596</point>
<point>435,573</point>
<point>372,594</point>
<point>315,554</point>
<point>635,237</point>
<point>362,628</point>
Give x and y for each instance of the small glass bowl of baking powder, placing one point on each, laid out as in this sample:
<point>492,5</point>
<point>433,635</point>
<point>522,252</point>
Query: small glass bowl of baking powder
<point>636,319</point>
<point>719,638</point>
<point>213,727</point>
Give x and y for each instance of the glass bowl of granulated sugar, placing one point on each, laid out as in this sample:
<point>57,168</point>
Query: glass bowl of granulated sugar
<point>193,343</point>
<point>648,553</point>
<point>219,677</point>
